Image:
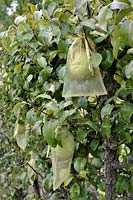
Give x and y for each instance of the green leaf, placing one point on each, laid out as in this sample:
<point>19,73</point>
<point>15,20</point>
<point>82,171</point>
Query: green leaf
<point>31,173</point>
<point>51,8</point>
<point>89,23</point>
<point>120,4</point>
<point>130,51</point>
<point>131,183</point>
<point>75,189</point>
<point>49,133</point>
<point>52,106</point>
<point>96,162</point>
<point>32,8</point>
<point>20,134</point>
<point>31,117</point>
<point>52,55</point>
<point>70,4</point>
<point>106,110</point>
<point>83,174</point>
<point>128,137</point>
<point>127,111</point>
<point>107,59</point>
<point>121,14</point>
<point>81,136</point>
<point>126,31</point>
<point>68,180</point>
<point>62,115</point>
<point>129,70</point>
<point>96,59</point>
<point>92,125</point>
<point>43,96</point>
<point>41,61</point>
<point>24,32</point>
<point>116,40</point>
<point>18,68</point>
<point>18,106</point>
<point>106,126</point>
<point>5,42</point>
<point>44,74</point>
<point>37,15</point>
<point>48,181</point>
<point>122,184</point>
<point>29,78</point>
<point>94,144</point>
<point>79,164</point>
<point>84,193</point>
<point>104,15</point>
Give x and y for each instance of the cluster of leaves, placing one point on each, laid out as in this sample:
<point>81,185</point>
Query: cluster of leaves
<point>33,63</point>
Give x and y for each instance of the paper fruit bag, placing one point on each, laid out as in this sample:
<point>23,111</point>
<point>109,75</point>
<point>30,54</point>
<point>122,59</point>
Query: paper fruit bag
<point>83,77</point>
<point>62,159</point>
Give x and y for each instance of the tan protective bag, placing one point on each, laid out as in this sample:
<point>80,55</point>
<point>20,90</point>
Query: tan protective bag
<point>83,77</point>
<point>62,159</point>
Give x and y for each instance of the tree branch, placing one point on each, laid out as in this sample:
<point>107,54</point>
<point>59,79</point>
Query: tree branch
<point>116,144</point>
<point>88,10</point>
<point>38,173</point>
<point>129,197</point>
<point>123,165</point>
<point>93,193</point>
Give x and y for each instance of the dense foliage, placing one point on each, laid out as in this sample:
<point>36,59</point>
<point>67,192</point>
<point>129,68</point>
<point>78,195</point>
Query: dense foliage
<point>33,56</point>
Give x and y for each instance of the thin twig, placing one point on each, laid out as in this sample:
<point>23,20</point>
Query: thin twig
<point>38,173</point>
<point>88,9</point>
<point>68,12</point>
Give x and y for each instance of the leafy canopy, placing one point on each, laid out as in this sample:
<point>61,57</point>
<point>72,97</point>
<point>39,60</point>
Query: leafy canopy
<point>33,62</point>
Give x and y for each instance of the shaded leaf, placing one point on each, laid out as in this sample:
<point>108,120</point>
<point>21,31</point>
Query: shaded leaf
<point>122,184</point>
<point>75,189</point>
<point>94,144</point>
<point>127,111</point>
<point>79,164</point>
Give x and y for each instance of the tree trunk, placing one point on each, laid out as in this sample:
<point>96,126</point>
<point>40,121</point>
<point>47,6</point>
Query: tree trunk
<point>109,172</point>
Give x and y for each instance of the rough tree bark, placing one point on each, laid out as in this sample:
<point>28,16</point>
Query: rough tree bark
<point>109,172</point>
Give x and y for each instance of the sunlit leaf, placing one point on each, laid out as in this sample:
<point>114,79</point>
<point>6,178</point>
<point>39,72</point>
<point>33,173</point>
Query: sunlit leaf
<point>129,70</point>
<point>20,134</point>
<point>104,15</point>
<point>30,172</point>
<point>106,110</point>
